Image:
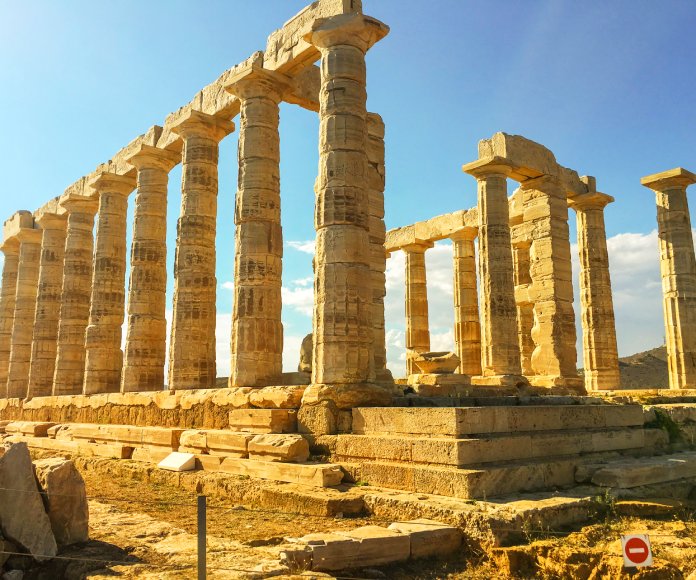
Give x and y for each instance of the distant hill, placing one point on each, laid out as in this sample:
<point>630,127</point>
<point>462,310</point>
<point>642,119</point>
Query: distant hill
<point>645,370</point>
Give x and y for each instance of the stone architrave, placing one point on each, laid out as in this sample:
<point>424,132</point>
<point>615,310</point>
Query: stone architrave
<point>467,326</point>
<point>146,335</point>
<point>417,325</point>
<point>45,339</point>
<point>25,312</point>
<point>500,350</point>
<point>377,232</point>
<point>678,268</point>
<point>257,328</point>
<point>68,377</point>
<point>600,354</point>
<point>103,355</point>
<point>525,307</point>
<point>342,292</point>
<point>192,346</point>
<point>7,306</point>
<point>554,360</point>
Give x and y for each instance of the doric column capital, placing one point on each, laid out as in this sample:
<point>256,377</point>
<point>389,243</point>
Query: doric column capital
<point>198,124</point>
<point>51,221</point>
<point>149,157</point>
<point>417,247</point>
<point>10,247</point>
<point>347,29</point>
<point>487,167</point>
<point>678,178</point>
<point>80,204</point>
<point>256,81</point>
<point>113,183</point>
<point>590,200</point>
<point>464,234</point>
<point>29,235</point>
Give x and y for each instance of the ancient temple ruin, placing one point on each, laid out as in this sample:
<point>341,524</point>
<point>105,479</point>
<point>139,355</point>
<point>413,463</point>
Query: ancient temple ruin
<point>64,297</point>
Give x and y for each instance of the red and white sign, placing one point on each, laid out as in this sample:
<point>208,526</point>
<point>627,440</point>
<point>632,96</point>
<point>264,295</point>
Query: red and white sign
<point>636,550</point>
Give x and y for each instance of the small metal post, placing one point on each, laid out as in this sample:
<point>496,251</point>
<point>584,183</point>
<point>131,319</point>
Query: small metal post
<point>201,537</point>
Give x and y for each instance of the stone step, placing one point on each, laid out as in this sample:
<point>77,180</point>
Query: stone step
<point>646,471</point>
<point>263,420</point>
<point>84,448</point>
<point>459,421</point>
<point>491,481</point>
<point>485,449</point>
<point>125,434</point>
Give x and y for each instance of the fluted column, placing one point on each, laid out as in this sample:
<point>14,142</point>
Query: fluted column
<point>25,311</point>
<point>45,339</point>
<point>525,307</point>
<point>342,290</point>
<point>417,325</point>
<point>467,326</point>
<point>678,268</point>
<point>600,354</point>
<point>103,355</point>
<point>146,334</point>
<point>8,291</point>
<point>377,232</point>
<point>257,329</point>
<point>554,359</point>
<point>192,347</point>
<point>500,350</point>
<point>69,374</point>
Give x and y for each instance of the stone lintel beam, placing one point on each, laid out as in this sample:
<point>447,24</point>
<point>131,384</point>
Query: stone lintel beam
<point>673,179</point>
<point>438,228</point>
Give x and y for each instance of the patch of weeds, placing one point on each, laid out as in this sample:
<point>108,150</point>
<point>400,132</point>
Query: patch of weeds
<point>666,423</point>
<point>534,530</point>
<point>244,477</point>
<point>605,507</point>
<point>361,484</point>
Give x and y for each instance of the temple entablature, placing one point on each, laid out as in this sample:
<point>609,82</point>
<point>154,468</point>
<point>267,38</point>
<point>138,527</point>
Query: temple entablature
<point>431,230</point>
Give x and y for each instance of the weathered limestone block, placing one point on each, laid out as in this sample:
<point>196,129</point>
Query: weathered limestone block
<point>7,307</point>
<point>417,325</point>
<point>500,351</point>
<point>66,497</point>
<point>264,420</point>
<point>332,551</point>
<point>437,362</point>
<point>32,428</point>
<point>287,448</point>
<point>314,474</point>
<point>678,268</point>
<point>145,353</point>
<point>25,312</point>
<point>467,326</point>
<point>379,546</point>
<point>600,353</point>
<point>348,396</point>
<point>306,348</point>
<point>45,338</point>
<point>23,519</point>
<point>342,337</point>
<point>257,330</point>
<point>192,348</point>
<point>103,355</point>
<point>377,235</point>
<point>429,538</point>
<point>554,360</point>
<point>289,397</point>
<point>75,297</point>
<point>216,442</point>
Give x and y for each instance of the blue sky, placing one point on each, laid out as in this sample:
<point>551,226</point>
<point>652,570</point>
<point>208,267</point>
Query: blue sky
<point>607,86</point>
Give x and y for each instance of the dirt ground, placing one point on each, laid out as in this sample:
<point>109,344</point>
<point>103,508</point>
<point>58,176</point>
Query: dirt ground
<point>144,530</point>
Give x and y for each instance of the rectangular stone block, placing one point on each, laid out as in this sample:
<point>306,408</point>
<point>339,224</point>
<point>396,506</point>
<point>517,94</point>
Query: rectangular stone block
<point>316,475</point>
<point>646,471</point>
<point>379,546</point>
<point>176,461</point>
<point>230,443</point>
<point>332,551</point>
<point>290,448</point>
<point>149,455</point>
<point>264,420</point>
<point>30,428</point>
<point>429,538</point>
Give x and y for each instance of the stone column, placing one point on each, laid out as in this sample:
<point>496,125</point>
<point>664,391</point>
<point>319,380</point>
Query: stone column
<point>192,347</point>
<point>8,292</point>
<point>678,268</point>
<point>69,374</point>
<point>500,350</point>
<point>25,312</point>
<point>45,340</point>
<point>257,329</point>
<point>103,355</point>
<point>377,232</point>
<point>417,325</point>
<point>600,354</point>
<point>554,360</point>
<point>467,326</point>
<point>525,306</point>
<point>342,289</point>
<point>146,334</point>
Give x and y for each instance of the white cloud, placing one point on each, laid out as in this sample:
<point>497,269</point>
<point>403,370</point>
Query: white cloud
<point>299,298</point>
<point>228,285</point>
<point>306,247</point>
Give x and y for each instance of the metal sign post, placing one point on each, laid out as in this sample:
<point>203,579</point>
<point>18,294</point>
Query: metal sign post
<point>201,537</point>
